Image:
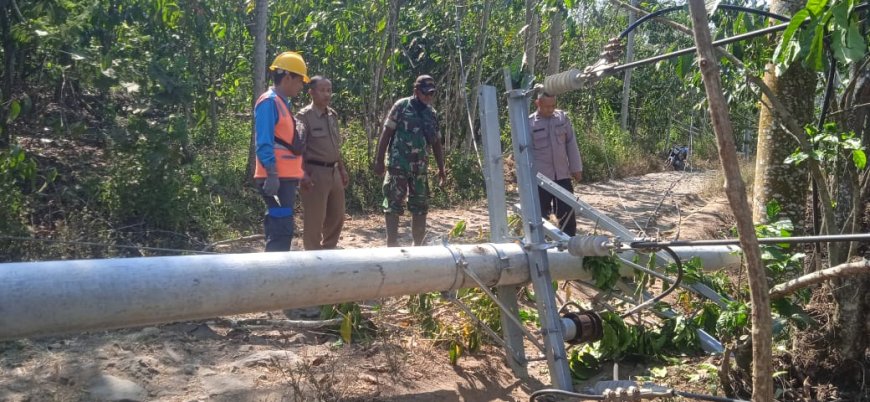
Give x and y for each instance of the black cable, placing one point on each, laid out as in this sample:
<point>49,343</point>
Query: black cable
<point>589,397</point>
<point>654,300</point>
<point>723,41</point>
<point>707,397</point>
<point>766,240</point>
<point>554,391</point>
<point>88,243</point>
<point>643,19</point>
<point>755,11</point>
<point>721,6</point>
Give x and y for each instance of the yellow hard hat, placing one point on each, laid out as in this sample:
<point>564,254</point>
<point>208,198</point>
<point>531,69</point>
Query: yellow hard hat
<point>292,62</point>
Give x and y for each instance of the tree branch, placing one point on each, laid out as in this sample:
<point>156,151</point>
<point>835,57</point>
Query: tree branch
<point>851,109</point>
<point>230,241</point>
<point>840,271</point>
<point>735,189</point>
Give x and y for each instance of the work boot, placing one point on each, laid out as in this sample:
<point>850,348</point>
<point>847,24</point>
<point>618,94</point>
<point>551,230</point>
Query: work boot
<point>392,229</point>
<point>418,228</point>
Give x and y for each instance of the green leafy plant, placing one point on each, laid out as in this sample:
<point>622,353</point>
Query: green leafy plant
<point>421,306</point>
<point>829,144</point>
<point>17,172</point>
<point>675,335</point>
<point>804,38</point>
<point>605,270</point>
<point>458,230</point>
<point>354,326</point>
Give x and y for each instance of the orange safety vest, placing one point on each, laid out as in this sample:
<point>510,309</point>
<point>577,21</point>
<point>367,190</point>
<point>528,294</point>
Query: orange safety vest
<point>289,165</point>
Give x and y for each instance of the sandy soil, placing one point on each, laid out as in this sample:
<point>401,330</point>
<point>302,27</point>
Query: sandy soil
<point>219,360</point>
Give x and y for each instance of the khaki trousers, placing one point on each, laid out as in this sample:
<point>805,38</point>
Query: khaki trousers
<point>322,208</point>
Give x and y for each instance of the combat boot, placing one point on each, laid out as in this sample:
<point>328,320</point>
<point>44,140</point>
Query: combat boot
<point>418,228</point>
<point>392,221</point>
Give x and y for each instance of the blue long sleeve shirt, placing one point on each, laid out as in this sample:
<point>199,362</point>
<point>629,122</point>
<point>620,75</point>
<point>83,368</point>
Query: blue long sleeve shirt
<point>265,119</point>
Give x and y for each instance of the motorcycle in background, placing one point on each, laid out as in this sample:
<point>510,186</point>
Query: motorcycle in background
<point>677,157</point>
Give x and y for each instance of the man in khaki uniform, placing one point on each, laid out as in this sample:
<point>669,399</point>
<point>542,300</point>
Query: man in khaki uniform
<point>323,190</point>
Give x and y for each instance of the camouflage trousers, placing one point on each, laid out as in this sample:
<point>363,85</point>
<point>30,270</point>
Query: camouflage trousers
<point>398,185</point>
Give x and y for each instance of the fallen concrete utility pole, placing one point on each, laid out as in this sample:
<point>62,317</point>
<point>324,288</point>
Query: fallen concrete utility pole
<point>45,298</point>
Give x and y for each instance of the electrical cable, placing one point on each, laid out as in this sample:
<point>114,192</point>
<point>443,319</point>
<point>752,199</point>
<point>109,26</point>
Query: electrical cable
<point>668,291</point>
<point>88,243</point>
<point>719,42</point>
<point>724,41</point>
<point>721,6</point>
<point>644,395</point>
<point>707,397</point>
<point>553,391</point>
<point>736,242</point>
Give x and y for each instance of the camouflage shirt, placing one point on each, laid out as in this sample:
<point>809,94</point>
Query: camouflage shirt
<point>415,130</point>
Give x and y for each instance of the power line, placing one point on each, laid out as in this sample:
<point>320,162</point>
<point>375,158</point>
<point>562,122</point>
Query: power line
<point>106,245</point>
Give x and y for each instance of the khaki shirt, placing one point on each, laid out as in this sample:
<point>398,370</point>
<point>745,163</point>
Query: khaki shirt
<point>320,129</point>
<point>555,146</point>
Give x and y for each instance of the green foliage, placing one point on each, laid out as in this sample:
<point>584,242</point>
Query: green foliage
<point>605,146</point>
<point>693,272</point>
<point>151,179</point>
<point>421,306</point>
<point>829,145</point>
<point>363,192</point>
<point>354,326</point>
<point>458,334</point>
<point>464,179</point>
<point>804,38</point>
<point>530,316</point>
<point>733,320</point>
<point>158,88</point>
<point>458,229</point>
<point>781,262</point>
<point>483,307</point>
<point>17,173</point>
<point>676,335</point>
<point>605,270</point>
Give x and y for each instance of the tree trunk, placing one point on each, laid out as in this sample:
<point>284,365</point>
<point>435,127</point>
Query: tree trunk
<point>774,180</point>
<point>530,49</point>
<point>852,295</point>
<point>626,83</point>
<point>477,58</point>
<point>261,18</point>
<point>557,27</point>
<point>379,68</point>
<point>9,61</point>
<point>735,190</point>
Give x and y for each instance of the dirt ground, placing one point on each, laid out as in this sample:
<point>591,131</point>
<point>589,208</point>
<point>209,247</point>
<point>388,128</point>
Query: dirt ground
<point>219,360</point>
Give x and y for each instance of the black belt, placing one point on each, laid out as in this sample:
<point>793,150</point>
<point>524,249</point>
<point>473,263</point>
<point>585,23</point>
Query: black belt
<point>319,163</point>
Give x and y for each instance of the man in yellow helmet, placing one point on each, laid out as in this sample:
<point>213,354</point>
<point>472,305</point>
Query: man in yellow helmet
<point>279,148</point>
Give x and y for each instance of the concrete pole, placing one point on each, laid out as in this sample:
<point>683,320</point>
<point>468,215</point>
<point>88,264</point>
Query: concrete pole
<point>46,298</point>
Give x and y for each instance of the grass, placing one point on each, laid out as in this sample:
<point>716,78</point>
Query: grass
<point>714,187</point>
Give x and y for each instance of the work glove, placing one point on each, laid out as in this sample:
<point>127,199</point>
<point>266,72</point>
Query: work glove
<point>270,186</point>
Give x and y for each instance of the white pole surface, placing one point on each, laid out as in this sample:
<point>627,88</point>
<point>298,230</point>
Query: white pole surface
<point>45,298</point>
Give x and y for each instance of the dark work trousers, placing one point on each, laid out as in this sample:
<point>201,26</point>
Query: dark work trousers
<point>278,223</point>
<point>551,204</point>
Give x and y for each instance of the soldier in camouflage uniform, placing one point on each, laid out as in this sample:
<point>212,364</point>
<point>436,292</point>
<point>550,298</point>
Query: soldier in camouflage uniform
<point>410,127</point>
